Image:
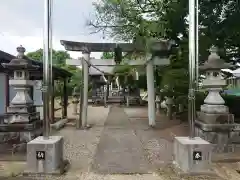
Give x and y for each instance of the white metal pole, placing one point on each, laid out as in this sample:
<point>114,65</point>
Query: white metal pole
<point>51,62</point>
<point>46,77</point>
<point>192,67</point>
<point>197,44</point>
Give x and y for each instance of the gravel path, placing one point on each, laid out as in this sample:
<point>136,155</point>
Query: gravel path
<point>80,148</point>
<point>157,142</point>
<point>80,145</point>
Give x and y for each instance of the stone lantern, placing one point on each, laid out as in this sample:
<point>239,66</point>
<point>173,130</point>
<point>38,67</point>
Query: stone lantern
<point>21,111</point>
<point>76,96</point>
<point>214,122</point>
<point>213,105</point>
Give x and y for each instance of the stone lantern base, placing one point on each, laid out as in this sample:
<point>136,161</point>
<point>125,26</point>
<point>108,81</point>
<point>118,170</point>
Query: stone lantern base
<point>214,109</point>
<point>215,118</point>
<point>224,137</point>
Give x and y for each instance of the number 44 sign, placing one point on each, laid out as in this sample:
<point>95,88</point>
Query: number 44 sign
<point>40,155</point>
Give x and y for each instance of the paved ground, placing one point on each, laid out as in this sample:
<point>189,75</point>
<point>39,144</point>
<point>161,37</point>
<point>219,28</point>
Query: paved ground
<point>157,142</point>
<point>119,151</point>
<point>120,144</point>
<point>84,152</point>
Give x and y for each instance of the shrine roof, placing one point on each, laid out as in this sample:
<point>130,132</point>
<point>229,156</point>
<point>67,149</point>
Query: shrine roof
<point>58,72</point>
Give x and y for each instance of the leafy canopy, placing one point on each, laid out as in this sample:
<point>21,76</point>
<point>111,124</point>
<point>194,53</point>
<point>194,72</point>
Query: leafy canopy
<point>138,20</point>
<point>59,60</point>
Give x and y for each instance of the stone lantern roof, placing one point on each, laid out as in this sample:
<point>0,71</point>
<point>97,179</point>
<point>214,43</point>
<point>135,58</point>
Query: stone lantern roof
<point>214,61</point>
<point>20,62</point>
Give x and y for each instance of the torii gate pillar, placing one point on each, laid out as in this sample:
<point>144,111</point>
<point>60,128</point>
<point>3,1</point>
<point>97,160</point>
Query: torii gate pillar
<point>86,56</point>
<point>151,94</point>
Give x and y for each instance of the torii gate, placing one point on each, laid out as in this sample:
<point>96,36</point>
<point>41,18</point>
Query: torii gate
<point>158,49</point>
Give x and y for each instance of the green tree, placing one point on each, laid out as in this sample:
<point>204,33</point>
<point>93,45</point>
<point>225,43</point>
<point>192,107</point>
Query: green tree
<point>58,57</point>
<point>107,55</point>
<point>137,20</point>
<point>131,20</point>
<point>59,60</point>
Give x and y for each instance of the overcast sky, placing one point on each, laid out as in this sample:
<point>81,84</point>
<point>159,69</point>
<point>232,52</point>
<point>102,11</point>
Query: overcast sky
<point>22,24</point>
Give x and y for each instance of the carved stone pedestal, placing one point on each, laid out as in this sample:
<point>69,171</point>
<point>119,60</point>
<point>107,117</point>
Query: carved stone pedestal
<point>45,155</point>
<point>224,137</point>
<point>192,155</point>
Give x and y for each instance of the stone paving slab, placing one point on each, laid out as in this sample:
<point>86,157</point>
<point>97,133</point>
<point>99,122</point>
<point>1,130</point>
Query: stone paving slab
<point>117,118</point>
<point>138,117</point>
<point>119,150</point>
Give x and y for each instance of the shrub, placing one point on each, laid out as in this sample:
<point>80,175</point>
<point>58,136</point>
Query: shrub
<point>175,82</point>
<point>233,103</point>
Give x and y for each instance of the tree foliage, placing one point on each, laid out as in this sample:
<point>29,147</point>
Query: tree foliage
<point>132,19</point>
<point>59,60</point>
<point>107,55</point>
<point>58,57</point>
<point>136,20</point>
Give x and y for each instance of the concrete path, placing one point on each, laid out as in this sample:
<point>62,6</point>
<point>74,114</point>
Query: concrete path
<point>119,151</point>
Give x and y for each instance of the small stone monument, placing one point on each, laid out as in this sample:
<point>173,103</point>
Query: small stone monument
<point>75,101</point>
<point>158,102</point>
<point>45,156</point>
<point>214,122</point>
<point>192,155</point>
<point>169,103</point>
<point>22,112</point>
